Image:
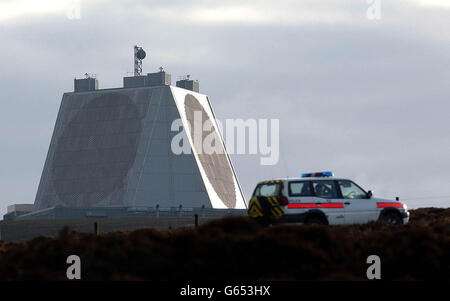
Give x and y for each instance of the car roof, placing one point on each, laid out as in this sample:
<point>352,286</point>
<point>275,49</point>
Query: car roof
<point>302,179</point>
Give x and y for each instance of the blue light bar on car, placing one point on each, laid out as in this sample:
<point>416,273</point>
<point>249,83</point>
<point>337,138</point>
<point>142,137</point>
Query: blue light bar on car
<point>318,174</point>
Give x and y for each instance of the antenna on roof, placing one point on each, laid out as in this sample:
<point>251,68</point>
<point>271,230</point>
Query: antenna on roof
<point>139,55</point>
<point>90,75</point>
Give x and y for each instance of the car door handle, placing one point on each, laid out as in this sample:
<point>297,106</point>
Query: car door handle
<point>346,203</point>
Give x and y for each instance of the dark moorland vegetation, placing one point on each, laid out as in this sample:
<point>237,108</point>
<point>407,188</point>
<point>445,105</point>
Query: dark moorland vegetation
<point>236,248</point>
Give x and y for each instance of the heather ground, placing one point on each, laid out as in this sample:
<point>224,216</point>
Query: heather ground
<point>236,248</point>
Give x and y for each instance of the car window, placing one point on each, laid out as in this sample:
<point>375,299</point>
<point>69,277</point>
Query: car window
<point>269,189</point>
<point>350,190</point>
<point>300,188</point>
<point>325,189</point>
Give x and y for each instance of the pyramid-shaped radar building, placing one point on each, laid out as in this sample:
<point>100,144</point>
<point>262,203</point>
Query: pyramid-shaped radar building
<point>114,148</point>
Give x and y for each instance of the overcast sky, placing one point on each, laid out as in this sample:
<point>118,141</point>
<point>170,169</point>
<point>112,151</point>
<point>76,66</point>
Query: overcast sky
<point>366,98</point>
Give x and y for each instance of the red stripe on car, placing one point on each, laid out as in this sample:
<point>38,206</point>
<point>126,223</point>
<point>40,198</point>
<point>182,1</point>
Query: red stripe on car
<point>314,205</point>
<point>384,205</point>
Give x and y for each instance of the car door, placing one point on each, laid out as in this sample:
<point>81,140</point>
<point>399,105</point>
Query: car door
<point>326,199</point>
<point>358,207</point>
<point>300,195</point>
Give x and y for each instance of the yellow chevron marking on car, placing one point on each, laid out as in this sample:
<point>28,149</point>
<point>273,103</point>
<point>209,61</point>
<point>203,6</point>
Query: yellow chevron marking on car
<point>254,208</point>
<point>277,210</point>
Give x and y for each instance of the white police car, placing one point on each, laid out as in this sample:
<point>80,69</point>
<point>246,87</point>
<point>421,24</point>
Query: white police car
<point>319,198</point>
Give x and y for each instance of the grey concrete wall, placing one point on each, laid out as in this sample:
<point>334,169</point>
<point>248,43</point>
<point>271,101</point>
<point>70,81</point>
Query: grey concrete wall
<point>189,84</point>
<point>112,148</point>
<point>85,84</point>
<point>29,229</point>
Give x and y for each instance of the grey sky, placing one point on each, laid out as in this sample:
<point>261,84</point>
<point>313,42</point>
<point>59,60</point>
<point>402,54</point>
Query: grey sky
<point>367,99</point>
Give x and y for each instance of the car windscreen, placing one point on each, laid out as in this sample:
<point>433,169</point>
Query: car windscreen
<point>350,190</point>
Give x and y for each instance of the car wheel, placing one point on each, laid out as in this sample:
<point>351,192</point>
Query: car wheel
<point>392,218</point>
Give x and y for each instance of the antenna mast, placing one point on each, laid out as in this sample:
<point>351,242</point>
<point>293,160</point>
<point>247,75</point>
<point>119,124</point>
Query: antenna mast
<point>139,55</point>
